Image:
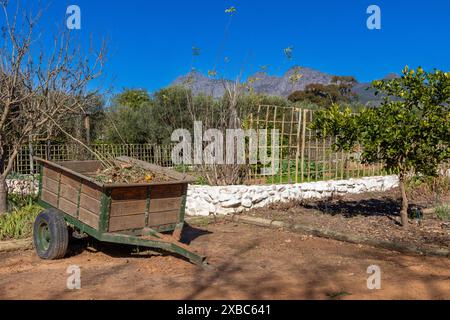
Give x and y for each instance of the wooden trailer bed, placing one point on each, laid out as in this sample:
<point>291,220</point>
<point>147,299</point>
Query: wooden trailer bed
<point>122,213</point>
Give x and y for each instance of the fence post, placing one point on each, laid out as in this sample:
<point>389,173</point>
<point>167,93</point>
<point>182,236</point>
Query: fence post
<point>30,151</point>
<point>281,151</point>
<point>274,146</point>
<point>48,155</point>
<point>305,111</point>
<point>87,127</point>
<point>297,154</point>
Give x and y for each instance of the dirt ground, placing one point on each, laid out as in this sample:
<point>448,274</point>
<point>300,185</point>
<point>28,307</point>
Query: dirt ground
<point>250,263</point>
<point>374,216</point>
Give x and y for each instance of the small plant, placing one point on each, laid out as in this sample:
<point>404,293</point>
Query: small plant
<point>201,181</point>
<point>182,168</point>
<point>17,201</point>
<point>337,295</point>
<point>443,212</point>
<point>19,223</point>
<point>201,222</point>
<point>311,171</point>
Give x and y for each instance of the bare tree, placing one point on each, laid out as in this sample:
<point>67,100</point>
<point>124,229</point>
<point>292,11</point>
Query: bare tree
<point>223,114</point>
<point>230,174</point>
<point>38,85</point>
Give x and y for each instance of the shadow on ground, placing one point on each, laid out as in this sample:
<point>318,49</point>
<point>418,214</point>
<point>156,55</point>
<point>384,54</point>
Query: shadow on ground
<point>367,207</point>
<point>77,246</point>
<point>333,276</point>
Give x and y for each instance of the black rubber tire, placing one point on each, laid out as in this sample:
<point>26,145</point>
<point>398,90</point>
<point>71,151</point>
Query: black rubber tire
<point>51,223</point>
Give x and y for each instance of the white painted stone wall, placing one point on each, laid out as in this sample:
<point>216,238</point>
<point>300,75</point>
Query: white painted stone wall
<point>21,186</point>
<point>206,200</point>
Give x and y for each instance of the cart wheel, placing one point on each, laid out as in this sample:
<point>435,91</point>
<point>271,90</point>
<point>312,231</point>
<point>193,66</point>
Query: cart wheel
<point>50,235</point>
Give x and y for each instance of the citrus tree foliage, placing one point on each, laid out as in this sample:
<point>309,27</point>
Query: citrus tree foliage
<point>408,133</point>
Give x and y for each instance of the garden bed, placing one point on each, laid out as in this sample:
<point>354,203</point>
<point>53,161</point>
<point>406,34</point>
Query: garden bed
<point>369,216</point>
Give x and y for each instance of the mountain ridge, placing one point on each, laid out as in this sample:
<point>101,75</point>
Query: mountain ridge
<point>264,83</point>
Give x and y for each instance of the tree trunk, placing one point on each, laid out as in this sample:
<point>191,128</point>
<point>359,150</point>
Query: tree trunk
<point>31,154</point>
<point>405,204</point>
<point>87,128</point>
<point>3,195</point>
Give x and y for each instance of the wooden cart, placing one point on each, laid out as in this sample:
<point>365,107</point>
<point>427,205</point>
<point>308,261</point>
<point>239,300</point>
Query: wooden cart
<point>133,214</point>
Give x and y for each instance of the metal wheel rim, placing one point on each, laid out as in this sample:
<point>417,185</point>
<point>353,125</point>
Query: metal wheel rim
<point>43,236</point>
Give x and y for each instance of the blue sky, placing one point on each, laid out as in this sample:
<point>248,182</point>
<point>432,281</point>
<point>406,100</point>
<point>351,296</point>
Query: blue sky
<point>151,41</point>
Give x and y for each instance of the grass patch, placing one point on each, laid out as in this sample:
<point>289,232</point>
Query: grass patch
<point>18,201</point>
<point>19,223</point>
<point>443,212</point>
<point>200,221</point>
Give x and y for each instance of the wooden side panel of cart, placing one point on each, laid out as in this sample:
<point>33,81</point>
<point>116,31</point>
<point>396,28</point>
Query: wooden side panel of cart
<point>111,209</point>
<point>139,207</point>
<point>72,195</point>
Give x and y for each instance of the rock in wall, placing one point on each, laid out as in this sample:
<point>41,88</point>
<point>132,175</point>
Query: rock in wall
<point>22,186</point>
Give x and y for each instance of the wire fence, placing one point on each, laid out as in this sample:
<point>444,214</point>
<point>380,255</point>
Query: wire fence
<point>156,154</point>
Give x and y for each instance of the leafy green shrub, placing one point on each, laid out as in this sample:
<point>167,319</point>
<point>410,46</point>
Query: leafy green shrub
<point>18,224</point>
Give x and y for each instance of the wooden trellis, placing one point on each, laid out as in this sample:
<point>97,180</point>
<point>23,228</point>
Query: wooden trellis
<point>303,156</point>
